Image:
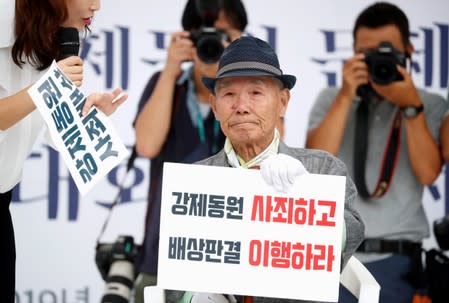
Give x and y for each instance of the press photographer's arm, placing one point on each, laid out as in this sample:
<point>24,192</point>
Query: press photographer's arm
<point>423,150</point>
<point>153,123</point>
<point>329,133</point>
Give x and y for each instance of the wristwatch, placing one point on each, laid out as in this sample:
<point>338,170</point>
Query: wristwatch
<point>410,112</point>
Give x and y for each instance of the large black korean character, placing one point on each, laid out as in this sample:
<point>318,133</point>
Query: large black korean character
<point>234,208</point>
<point>93,124</point>
<point>213,251</point>
<point>78,100</point>
<point>73,141</point>
<point>195,248</point>
<point>216,206</point>
<point>86,167</point>
<point>62,116</point>
<point>177,248</point>
<point>180,206</point>
<point>50,93</point>
<point>198,203</point>
<point>95,128</point>
<point>108,152</point>
<point>232,252</point>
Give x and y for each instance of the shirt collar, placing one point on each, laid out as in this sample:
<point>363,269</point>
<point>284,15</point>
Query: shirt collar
<point>236,161</point>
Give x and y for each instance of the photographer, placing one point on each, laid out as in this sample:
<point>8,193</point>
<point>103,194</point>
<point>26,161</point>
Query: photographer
<point>174,121</point>
<point>386,131</point>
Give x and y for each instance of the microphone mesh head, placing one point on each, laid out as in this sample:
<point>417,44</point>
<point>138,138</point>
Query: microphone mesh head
<point>69,42</point>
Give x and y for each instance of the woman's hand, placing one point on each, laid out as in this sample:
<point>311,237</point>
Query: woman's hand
<point>106,102</point>
<point>72,67</point>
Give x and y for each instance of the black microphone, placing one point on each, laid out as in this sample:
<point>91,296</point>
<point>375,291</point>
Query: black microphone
<point>69,42</point>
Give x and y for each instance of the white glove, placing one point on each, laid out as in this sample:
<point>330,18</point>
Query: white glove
<point>204,297</point>
<point>281,170</point>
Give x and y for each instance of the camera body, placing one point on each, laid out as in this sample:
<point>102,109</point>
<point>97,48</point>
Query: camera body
<point>115,261</point>
<point>209,43</point>
<point>441,231</point>
<point>208,40</point>
<point>382,63</point>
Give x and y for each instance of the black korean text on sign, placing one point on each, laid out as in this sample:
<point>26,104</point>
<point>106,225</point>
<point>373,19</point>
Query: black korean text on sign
<point>207,205</point>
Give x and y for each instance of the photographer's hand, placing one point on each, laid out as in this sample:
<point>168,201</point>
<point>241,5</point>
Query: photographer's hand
<point>355,73</point>
<point>180,50</point>
<point>329,133</point>
<point>402,93</point>
<point>154,121</point>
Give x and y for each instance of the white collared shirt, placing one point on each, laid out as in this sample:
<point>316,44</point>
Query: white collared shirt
<point>17,141</point>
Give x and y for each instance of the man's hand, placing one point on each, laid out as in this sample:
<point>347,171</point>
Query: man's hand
<point>281,170</point>
<point>180,50</point>
<point>106,102</point>
<point>402,93</point>
<point>72,67</point>
<point>355,73</point>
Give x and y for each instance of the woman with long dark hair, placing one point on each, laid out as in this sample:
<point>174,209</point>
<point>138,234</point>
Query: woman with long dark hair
<point>25,53</point>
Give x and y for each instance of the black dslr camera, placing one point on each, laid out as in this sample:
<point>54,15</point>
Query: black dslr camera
<point>441,231</point>
<point>115,261</point>
<point>382,63</point>
<point>207,39</point>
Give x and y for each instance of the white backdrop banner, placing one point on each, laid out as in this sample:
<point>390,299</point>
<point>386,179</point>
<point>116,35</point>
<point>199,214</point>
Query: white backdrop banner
<point>56,229</point>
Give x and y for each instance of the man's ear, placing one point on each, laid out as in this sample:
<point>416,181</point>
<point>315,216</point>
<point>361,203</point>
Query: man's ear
<point>213,104</point>
<point>285,98</point>
<point>409,49</point>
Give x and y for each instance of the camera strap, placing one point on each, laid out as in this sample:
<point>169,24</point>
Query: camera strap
<point>116,200</point>
<point>390,155</point>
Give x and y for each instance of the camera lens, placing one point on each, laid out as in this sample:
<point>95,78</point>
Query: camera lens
<point>441,231</point>
<point>382,63</point>
<point>384,72</point>
<point>209,48</point>
<point>119,282</point>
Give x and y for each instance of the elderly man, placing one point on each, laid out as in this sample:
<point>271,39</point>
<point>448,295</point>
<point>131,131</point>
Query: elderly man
<point>249,95</point>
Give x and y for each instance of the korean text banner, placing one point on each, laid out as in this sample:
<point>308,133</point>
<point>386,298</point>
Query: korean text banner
<point>89,144</point>
<point>224,230</point>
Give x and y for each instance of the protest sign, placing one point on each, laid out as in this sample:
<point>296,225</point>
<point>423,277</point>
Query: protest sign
<point>224,230</point>
<point>89,144</point>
